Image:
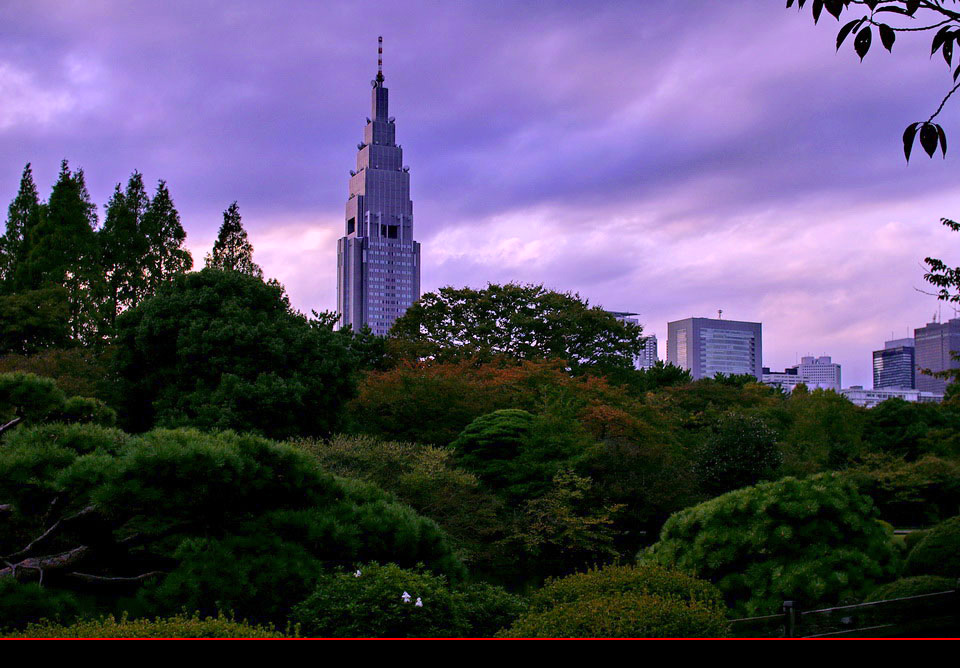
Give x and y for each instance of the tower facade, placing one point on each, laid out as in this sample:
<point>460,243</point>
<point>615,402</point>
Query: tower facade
<point>935,345</point>
<point>895,366</point>
<point>708,346</point>
<point>378,261</point>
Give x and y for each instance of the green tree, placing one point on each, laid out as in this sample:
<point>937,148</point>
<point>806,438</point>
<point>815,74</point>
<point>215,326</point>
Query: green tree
<point>182,519</point>
<point>741,451</point>
<point>516,322</point>
<point>62,251</point>
<point>816,541</point>
<point>34,320</point>
<point>22,217</point>
<point>141,244</point>
<point>224,350</point>
<point>232,251</point>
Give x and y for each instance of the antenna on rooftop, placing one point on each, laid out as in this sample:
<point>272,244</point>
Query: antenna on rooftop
<point>720,314</point>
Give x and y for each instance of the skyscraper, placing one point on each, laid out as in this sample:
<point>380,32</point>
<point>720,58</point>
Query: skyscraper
<point>648,357</point>
<point>814,372</point>
<point>378,262</point>
<point>708,346</point>
<point>895,365</point>
<point>935,344</point>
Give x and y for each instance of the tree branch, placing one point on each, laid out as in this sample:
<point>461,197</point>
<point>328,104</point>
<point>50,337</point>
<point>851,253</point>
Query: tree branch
<point>35,566</point>
<point>10,425</point>
<point>106,579</point>
<point>56,525</point>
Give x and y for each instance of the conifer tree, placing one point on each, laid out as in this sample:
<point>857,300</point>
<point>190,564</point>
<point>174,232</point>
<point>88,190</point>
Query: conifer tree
<point>232,251</point>
<point>22,216</point>
<point>165,237</point>
<point>62,251</point>
<point>123,246</point>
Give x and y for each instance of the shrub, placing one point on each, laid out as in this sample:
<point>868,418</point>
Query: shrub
<point>912,539</point>
<point>912,586</point>
<point>650,579</point>
<point>177,626</point>
<point>924,491</point>
<point>36,399</point>
<point>208,521</point>
<point>815,540</point>
<point>628,615</point>
<point>87,410</point>
<point>371,605</point>
<point>27,603</point>
<point>938,553</point>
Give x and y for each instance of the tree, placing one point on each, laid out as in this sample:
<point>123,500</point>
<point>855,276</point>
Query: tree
<point>741,451</point>
<point>518,322</point>
<point>62,251</point>
<point>34,320</point>
<point>22,217</point>
<point>224,350</point>
<point>232,251</point>
<point>905,16</point>
<point>141,245</point>
<point>816,541</point>
<point>181,519</point>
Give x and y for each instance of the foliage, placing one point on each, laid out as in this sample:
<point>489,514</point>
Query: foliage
<point>903,428</point>
<point>175,626</point>
<point>909,493</point>
<point>628,615</point>
<point>33,320</point>
<point>821,431</point>
<point>371,604</point>
<point>194,520</point>
<point>912,586</point>
<point>22,217</point>
<point>741,451</point>
<point>647,578</point>
<point>938,553</point>
<point>28,603</point>
<point>36,399</point>
<point>232,251</point>
<point>888,18</point>
<point>518,322</point>
<point>141,244</point>
<point>428,479</point>
<point>220,349</point>
<point>815,540</point>
<point>77,371</point>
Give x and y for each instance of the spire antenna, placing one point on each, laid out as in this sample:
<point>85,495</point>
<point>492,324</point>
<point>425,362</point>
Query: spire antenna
<point>380,59</point>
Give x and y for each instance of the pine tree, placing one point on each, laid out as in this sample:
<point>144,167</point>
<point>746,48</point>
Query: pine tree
<point>232,251</point>
<point>62,251</point>
<point>23,215</point>
<point>165,237</point>
<point>123,247</point>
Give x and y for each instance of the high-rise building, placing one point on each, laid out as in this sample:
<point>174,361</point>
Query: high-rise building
<point>708,346</point>
<point>814,372</point>
<point>935,344</point>
<point>378,261</point>
<point>648,357</point>
<point>894,367</point>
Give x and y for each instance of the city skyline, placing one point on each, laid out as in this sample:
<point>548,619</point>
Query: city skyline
<point>648,161</point>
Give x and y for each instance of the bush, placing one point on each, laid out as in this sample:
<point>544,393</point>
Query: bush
<point>925,491</point>
<point>345,605</point>
<point>28,603</point>
<point>912,539</point>
<point>816,541</point>
<point>210,521</point>
<point>36,399</point>
<point>628,615</point>
<point>938,553</point>
<point>650,579</point>
<point>912,586</point>
<point>178,626</point>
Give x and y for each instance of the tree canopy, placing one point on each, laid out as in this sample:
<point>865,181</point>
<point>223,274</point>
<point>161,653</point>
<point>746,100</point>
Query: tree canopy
<point>515,321</point>
<point>232,251</point>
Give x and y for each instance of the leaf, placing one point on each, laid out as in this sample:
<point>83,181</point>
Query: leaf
<point>938,39</point>
<point>862,43</point>
<point>887,36</point>
<point>817,8</point>
<point>912,7</point>
<point>948,49</point>
<point>908,136</point>
<point>834,7</point>
<point>929,138</point>
<point>943,140</point>
<point>844,31</point>
<point>956,73</point>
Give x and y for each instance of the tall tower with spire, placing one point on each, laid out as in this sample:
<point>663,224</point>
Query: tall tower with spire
<point>378,262</point>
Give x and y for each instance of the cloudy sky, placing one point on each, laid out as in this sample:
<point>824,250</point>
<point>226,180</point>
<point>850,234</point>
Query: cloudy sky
<point>670,158</point>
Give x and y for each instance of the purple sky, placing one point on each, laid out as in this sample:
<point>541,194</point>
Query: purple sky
<point>667,158</point>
